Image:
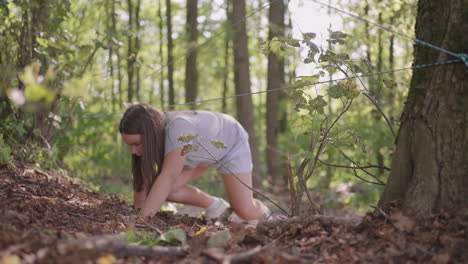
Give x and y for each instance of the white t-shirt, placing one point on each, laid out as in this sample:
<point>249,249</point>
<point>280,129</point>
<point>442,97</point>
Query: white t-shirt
<point>208,128</point>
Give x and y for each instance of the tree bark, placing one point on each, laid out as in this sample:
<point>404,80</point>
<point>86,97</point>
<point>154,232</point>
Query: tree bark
<point>245,109</point>
<point>161,37</point>
<point>227,46</point>
<point>130,53</point>
<point>191,71</point>
<point>275,79</point>
<point>429,168</point>
<point>170,58</point>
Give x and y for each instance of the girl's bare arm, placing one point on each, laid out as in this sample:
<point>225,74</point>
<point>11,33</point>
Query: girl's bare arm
<point>172,167</point>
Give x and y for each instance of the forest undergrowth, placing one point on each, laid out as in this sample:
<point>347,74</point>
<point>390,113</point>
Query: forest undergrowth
<point>48,217</point>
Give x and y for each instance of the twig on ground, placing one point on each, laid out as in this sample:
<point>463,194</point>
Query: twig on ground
<point>150,226</point>
<point>87,216</point>
<point>381,212</point>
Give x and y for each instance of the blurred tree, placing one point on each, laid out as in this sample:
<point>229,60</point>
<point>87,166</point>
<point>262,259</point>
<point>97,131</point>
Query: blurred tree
<point>245,109</point>
<point>191,70</point>
<point>170,57</point>
<point>276,79</point>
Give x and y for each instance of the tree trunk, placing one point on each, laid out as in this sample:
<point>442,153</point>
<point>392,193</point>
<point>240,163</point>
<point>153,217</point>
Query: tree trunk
<point>429,168</point>
<point>170,58</point>
<point>227,45</point>
<point>275,80</point>
<point>245,109</point>
<point>137,51</point>
<point>115,46</point>
<point>130,53</point>
<point>161,57</point>
<point>191,71</point>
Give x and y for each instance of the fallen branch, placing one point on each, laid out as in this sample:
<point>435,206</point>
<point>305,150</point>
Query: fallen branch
<point>117,245</point>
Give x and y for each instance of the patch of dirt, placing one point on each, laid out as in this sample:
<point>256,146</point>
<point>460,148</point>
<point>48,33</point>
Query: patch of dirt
<point>48,217</point>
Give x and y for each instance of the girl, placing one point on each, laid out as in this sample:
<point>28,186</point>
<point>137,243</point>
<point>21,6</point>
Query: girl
<point>169,149</point>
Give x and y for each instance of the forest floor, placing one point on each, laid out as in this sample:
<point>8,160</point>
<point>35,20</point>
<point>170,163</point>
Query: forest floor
<point>48,217</point>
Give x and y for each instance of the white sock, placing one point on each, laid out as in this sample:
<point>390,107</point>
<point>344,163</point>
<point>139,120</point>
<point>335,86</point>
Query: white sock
<point>216,208</point>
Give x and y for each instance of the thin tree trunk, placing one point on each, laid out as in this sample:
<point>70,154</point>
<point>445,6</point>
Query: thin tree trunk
<point>137,50</point>
<point>115,46</point>
<point>191,71</point>
<point>430,165</point>
<point>227,44</point>
<point>245,109</point>
<point>170,47</point>
<point>130,52</point>
<point>161,54</point>
<point>111,54</point>
<point>275,80</point>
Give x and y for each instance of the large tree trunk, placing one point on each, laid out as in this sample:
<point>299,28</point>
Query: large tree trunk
<point>245,109</point>
<point>430,165</point>
<point>191,71</point>
<point>275,80</point>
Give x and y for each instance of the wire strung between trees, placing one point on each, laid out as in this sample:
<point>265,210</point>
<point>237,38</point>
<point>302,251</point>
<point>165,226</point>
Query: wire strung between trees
<point>461,56</point>
<point>298,85</point>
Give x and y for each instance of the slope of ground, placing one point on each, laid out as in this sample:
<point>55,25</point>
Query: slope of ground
<point>47,217</point>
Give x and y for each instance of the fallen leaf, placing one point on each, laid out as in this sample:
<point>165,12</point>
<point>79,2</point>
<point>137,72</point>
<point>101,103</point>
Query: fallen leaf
<point>106,259</point>
<point>219,239</point>
<point>402,222</point>
<point>11,259</point>
<point>201,231</point>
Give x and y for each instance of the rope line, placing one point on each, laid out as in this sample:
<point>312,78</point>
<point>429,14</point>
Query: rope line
<point>461,56</point>
<point>321,82</point>
<point>309,83</point>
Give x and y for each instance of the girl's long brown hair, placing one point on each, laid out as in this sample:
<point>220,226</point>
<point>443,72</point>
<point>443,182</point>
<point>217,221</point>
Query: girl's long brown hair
<point>147,121</point>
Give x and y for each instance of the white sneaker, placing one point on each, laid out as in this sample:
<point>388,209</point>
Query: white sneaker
<point>216,209</point>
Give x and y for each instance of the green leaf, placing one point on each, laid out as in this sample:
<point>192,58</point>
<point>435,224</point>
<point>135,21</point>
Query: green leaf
<point>350,88</point>
<point>218,144</point>
<point>389,83</point>
<point>219,239</point>
<point>317,104</point>
<point>189,148</point>
<point>292,42</point>
<point>337,35</point>
<point>172,237</point>
<point>313,50</point>
<point>186,138</point>
<point>335,91</point>
<point>309,35</point>
<point>5,151</point>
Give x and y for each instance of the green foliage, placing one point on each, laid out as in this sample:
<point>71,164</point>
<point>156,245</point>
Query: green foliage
<point>189,148</point>
<point>218,144</point>
<point>219,239</point>
<point>187,138</point>
<point>141,237</point>
<point>5,151</point>
<point>172,237</point>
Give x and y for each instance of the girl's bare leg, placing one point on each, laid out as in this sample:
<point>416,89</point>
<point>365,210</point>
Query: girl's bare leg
<point>241,197</point>
<point>181,192</point>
